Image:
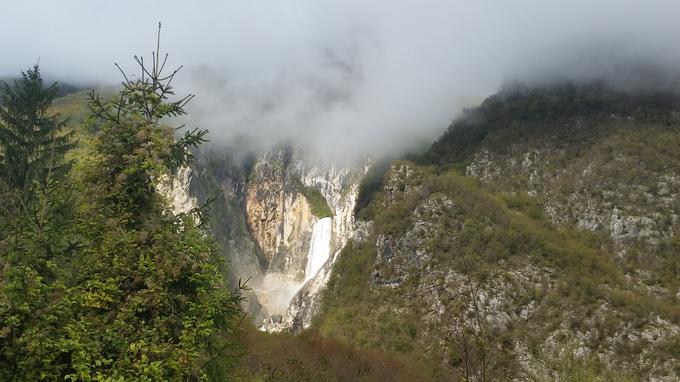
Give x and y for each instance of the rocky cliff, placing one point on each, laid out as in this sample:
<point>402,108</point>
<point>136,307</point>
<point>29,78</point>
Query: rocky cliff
<point>175,189</point>
<point>279,199</point>
<point>279,216</point>
<point>340,187</point>
<point>219,179</point>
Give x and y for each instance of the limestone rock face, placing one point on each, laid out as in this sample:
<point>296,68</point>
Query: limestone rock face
<point>400,257</point>
<point>611,184</point>
<point>295,233</point>
<point>265,202</point>
<point>279,217</point>
<point>281,221</point>
<point>342,189</point>
<point>398,181</point>
<point>175,189</point>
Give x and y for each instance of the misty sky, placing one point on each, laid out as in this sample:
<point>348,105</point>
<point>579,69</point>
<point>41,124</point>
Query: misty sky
<point>342,78</point>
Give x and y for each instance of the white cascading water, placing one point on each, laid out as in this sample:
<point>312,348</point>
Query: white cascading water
<point>319,247</point>
<point>276,291</point>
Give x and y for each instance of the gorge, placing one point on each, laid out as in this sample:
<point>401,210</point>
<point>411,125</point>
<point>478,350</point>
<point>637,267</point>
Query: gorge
<point>298,215</point>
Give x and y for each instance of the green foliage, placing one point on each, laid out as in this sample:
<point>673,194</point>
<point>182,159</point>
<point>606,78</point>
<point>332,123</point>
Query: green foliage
<point>370,184</point>
<point>312,357</point>
<point>317,203</point>
<point>135,148</point>
<point>565,365</point>
<point>520,113</point>
<point>110,285</point>
<point>348,304</point>
<point>80,123</point>
<point>521,201</point>
<point>35,229</point>
<point>32,146</point>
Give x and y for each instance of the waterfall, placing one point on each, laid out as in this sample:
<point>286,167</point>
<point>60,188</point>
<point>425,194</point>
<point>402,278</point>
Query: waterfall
<point>319,247</point>
<point>296,239</point>
<point>276,290</point>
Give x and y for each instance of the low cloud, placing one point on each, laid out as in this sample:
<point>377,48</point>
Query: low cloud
<point>347,79</point>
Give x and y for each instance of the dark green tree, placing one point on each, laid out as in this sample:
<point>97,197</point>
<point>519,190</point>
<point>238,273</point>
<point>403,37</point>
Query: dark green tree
<point>32,144</point>
<point>35,224</point>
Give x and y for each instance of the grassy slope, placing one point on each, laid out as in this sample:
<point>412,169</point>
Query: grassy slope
<point>317,202</point>
<point>73,109</point>
<point>622,169</point>
<point>310,357</point>
<point>590,149</point>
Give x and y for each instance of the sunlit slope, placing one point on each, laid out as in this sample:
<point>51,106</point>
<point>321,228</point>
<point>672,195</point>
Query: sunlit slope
<point>536,239</point>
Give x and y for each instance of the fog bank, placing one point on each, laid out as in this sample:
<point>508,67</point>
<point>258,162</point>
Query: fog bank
<point>346,79</point>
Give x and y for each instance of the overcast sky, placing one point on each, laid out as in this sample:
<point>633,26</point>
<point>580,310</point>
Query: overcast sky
<point>344,77</point>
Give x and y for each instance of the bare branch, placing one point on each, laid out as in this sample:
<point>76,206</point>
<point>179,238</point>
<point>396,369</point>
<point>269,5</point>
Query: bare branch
<point>122,72</point>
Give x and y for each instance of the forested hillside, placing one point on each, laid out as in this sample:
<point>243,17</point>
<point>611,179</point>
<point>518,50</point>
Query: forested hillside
<point>536,240</point>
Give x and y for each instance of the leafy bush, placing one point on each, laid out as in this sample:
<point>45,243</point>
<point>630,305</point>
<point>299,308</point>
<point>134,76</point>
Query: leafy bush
<point>312,357</point>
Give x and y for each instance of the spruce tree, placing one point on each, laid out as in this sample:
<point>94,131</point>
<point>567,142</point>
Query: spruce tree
<point>36,228</point>
<point>161,309</point>
<point>32,145</point>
